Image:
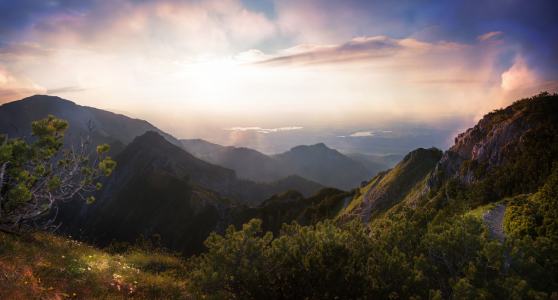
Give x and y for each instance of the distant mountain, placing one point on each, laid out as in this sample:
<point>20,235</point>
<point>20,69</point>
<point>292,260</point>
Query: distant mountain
<point>201,148</point>
<point>324,165</point>
<point>390,160</point>
<point>108,126</point>
<point>151,149</point>
<point>317,163</point>
<point>248,163</point>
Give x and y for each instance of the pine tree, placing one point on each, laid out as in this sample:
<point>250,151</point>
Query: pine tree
<point>34,177</point>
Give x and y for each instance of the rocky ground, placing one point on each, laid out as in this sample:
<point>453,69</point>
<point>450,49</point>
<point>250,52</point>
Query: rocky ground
<point>495,221</point>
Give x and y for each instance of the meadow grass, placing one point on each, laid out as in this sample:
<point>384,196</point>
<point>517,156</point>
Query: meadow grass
<point>54,267</point>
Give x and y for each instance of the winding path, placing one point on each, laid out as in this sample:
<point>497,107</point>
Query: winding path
<point>494,219</point>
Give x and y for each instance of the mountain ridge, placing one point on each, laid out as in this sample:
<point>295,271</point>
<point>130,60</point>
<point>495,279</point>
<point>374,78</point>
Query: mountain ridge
<point>109,126</point>
<point>315,162</point>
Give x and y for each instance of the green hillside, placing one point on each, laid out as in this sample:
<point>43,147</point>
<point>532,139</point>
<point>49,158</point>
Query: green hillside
<point>401,185</point>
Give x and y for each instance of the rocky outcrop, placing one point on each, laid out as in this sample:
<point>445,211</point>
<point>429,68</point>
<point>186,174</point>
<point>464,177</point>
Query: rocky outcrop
<point>489,144</point>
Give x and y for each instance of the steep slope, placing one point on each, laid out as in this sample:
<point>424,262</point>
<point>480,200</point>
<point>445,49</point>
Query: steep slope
<point>402,184</point>
<point>515,147</point>
<point>108,126</point>
<point>324,165</point>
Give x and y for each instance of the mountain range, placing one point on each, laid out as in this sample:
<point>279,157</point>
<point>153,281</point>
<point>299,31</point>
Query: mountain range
<point>315,162</point>
<point>158,187</point>
<point>478,219</point>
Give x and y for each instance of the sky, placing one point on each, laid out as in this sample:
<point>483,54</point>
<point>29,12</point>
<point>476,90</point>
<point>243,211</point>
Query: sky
<point>272,73</point>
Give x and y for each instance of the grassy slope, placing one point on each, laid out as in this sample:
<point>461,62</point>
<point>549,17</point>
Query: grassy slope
<point>354,205</point>
<point>53,267</point>
<point>399,186</point>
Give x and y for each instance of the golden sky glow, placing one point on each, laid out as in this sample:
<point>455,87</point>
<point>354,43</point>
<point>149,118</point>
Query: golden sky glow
<point>219,64</point>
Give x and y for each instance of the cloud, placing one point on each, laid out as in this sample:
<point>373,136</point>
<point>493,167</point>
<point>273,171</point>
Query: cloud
<point>25,50</point>
<point>519,76</point>
<point>14,87</point>
<point>250,56</point>
<point>331,21</point>
<point>165,28</point>
<point>262,130</point>
<point>362,134</point>
<point>489,35</point>
<point>67,89</point>
<point>358,50</point>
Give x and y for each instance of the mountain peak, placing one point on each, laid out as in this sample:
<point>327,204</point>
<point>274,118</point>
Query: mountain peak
<point>39,102</point>
<point>318,146</point>
<point>149,137</point>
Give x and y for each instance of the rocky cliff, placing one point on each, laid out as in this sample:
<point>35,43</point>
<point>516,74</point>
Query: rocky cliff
<point>496,137</point>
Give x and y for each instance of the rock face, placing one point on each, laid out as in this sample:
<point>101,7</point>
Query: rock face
<point>488,144</point>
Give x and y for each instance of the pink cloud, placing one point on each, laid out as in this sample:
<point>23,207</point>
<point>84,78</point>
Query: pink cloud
<point>14,87</point>
<point>164,28</point>
<point>360,50</point>
<point>488,35</point>
<point>519,76</point>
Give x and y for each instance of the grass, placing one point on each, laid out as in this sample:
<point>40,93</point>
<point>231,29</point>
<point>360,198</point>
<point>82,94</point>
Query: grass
<point>340,217</point>
<point>338,208</point>
<point>481,210</point>
<point>53,267</point>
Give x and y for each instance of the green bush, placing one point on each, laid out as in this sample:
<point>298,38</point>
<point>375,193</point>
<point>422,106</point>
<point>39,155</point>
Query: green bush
<point>536,216</point>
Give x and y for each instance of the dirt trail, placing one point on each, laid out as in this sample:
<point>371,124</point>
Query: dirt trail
<point>495,221</point>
